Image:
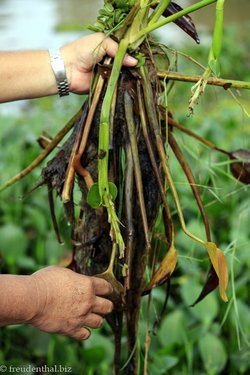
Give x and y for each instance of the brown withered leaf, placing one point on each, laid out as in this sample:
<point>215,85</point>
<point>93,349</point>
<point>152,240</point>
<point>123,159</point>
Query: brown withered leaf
<point>241,167</point>
<point>211,283</point>
<point>218,261</point>
<point>44,139</point>
<point>185,23</point>
<point>164,271</point>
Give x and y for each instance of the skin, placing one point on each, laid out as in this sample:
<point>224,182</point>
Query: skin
<point>54,299</point>
<point>31,75</point>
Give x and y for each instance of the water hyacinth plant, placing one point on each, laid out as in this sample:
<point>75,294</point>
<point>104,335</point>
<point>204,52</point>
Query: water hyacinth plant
<point>118,156</point>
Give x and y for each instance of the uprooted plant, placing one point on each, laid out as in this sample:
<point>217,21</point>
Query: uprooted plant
<point>117,155</point>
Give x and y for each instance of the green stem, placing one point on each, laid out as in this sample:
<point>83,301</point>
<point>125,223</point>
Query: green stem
<point>218,29</point>
<point>144,3</point>
<point>173,17</point>
<point>159,11</point>
<point>226,83</point>
<point>103,148</point>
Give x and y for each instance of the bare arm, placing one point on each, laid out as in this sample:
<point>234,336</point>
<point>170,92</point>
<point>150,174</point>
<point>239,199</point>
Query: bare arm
<point>28,74</point>
<point>55,299</point>
<point>25,75</point>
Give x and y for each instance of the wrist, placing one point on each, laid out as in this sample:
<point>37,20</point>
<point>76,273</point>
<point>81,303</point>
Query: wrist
<point>41,292</point>
<point>30,306</point>
<point>59,71</point>
<point>19,301</point>
<point>67,64</point>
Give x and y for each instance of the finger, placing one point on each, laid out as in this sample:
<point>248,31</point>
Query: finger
<point>130,61</point>
<point>93,321</point>
<point>101,286</point>
<point>81,333</point>
<point>102,306</point>
<point>111,47</point>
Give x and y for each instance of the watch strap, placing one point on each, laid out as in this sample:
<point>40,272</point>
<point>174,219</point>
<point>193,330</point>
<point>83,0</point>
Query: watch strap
<point>58,68</point>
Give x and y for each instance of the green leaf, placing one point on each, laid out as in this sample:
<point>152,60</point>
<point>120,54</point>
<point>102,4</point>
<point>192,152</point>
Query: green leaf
<point>63,351</point>
<point>141,59</point>
<point>26,262</point>
<point>35,218</point>
<point>172,329</point>
<point>92,356</point>
<point>97,341</point>
<point>213,353</point>
<point>97,27</point>
<point>206,310</point>
<point>94,198</point>
<point>53,250</point>
<point>243,317</point>
<point>160,57</point>
<point>38,341</point>
<point>113,190</point>
<point>160,364</point>
<point>13,241</point>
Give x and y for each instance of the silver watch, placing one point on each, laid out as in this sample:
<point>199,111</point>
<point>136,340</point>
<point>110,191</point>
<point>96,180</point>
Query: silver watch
<point>58,67</point>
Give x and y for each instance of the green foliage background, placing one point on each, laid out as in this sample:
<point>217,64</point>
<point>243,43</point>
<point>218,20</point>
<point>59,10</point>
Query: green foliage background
<point>211,338</point>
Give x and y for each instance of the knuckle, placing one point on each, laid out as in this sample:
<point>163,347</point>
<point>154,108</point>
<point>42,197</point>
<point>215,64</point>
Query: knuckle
<point>88,305</point>
<point>88,283</point>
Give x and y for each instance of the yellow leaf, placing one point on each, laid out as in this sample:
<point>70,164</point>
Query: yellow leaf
<point>218,261</point>
<point>165,269</point>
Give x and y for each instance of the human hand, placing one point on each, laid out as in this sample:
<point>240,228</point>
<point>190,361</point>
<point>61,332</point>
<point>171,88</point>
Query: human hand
<point>81,55</point>
<point>68,302</point>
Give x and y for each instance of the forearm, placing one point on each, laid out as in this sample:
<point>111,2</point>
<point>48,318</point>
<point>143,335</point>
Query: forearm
<point>29,74</point>
<point>18,299</point>
<point>25,75</point>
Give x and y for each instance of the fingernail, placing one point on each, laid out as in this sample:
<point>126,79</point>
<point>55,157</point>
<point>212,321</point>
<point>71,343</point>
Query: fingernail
<point>131,60</point>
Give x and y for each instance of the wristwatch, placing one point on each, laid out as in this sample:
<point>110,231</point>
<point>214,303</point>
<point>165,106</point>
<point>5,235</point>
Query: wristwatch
<point>58,67</point>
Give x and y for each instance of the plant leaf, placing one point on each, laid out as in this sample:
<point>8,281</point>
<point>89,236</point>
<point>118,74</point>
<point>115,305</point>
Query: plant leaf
<point>218,261</point>
<point>165,269</point>
<point>141,60</point>
<point>240,167</point>
<point>210,284</point>
<point>213,353</point>
<point>94,198</point>
<point>185,23</point>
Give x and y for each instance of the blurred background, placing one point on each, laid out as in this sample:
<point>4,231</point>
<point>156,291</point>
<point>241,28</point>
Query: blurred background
<point>211,338</point>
